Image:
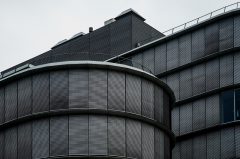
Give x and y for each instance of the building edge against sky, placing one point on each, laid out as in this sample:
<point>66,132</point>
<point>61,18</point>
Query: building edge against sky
<point>200,63</point>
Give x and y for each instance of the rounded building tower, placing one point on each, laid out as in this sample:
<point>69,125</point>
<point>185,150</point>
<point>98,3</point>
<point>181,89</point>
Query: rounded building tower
<point>85,110</point>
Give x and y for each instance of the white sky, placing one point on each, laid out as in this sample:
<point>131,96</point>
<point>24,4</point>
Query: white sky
<point>31,27</point>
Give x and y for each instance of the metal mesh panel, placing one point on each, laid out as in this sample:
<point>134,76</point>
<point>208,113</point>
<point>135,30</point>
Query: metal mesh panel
<point>199,114</point>
<point>158,104</point>
<point>237,68</point>
<point>198,79</point>
<point>40,143</point>
<point>40,93</point>
<point>185,83</point>
<point>78,135</point>
<point>172,54</point>
<point>185,118</point>
<point>25,141</point>
<point>173,82</point>
<point>78,89</point>
<point>237,140</point>
<point>158,145</point>
<point>227,143</point>
<point>160,59</point>
<point>236,31</point>
<point>58,90</point>
<point>10,149</point>
<point>137,60</point>
<point>116,136</point>
<point>2,143</point>
<point>212,38</point>
<point>116,90</point>
<point>213,145</point>
<point>212,110</point>
<point>2,112</point>
<point>176,151</point>
<point>11,101</point>
<point>198,44</point>
<point>199,147</point>
<point>226,70</point>
<point>185,49</point>
<point>148,142</point>
<point>186,149</point>
<point>226,34</point>
<point>166,111</point>
<point>147,99</point>
<point>97,135</point>
<point>175,120</point>
<point>58,136</point>
<point>133,132</point>
<point>25,97</point>
<point>133,94</point>
<point>212,74</point>
<point>98,89</point>
<point>148,60</point>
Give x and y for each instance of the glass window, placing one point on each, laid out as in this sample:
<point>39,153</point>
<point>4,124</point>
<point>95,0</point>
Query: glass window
<point>227,106</point>
<point>237,104</point>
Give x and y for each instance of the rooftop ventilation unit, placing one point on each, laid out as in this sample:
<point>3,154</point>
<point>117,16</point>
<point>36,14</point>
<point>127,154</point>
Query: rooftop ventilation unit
<point>77,35</point>
<point>130,10</point>
<point>109,21</point>
<point>23,67</point>
<point>60,42</point>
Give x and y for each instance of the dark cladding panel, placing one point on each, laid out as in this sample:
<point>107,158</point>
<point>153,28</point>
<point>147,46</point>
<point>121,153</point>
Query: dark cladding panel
<point>133,136</point>
<point>158,145</point>
<point>227,143</point>
<point>226,70</point>
<point>237,31</point>
<point>199,114</point>
<point>186,149</point>
<point>137,61</point>
<point>185,118</point>
<point>133,94</point>
<point>212,38</point>
<point>185,83</point>
<point>78,135</point>
<point>185,49</point>
<point>80,45</point>
<point>98,135</point>
<point>11,101</point>
<point>166,111</point>
<point>116,136</point>
<point>148,99</point>
<point>175,120</point>
<point>167,149</point>
<point>2,106</point>
<point>198,44</point>
<point>237,140</point>
<point>116,91</point>
<point>160,59</point>
<point>158,104</point>
<point>40,143</point>
<point>176,151</point>
<point>40,92</point>
<point>212,74</point>
<point>148,142</point>
<point>58,136</point>
<point>58,90</point>
<point>226,34</point>
<point>213,145</point>
<point>237,68</point>
<point>199,147</point>
<point>198,79</point>
<point>24,97</point>
<point>148,61</point>
<point>173,82</point>
<point>25,141</point>
<point>2,143</point>
<point>212,110</point>
<point>98,89</point>
<point>10,148</point>
<point>172,54</point>
<point>78,89</point>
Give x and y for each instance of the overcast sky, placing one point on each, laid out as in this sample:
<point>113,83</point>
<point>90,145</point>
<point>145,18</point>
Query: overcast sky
<point>31,27</point>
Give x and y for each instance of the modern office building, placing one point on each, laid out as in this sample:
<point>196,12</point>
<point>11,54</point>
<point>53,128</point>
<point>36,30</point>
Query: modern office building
<point>118,111</point>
